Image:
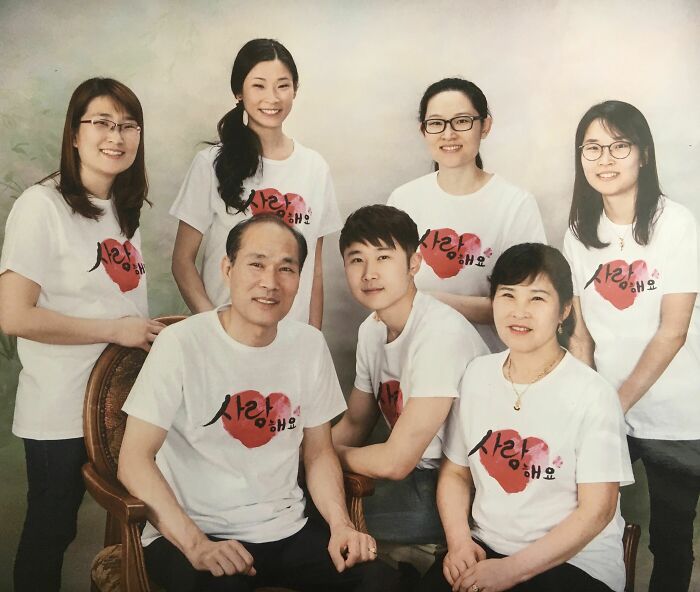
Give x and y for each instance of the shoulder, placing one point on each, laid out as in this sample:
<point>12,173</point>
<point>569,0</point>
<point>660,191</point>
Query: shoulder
<point>207,155</point>
<point>419,185</point>
<point>581,376</point>
<point>672,213</point>
<point>516,196</point>
<point>301,335</point>
<point>482,367</point>
<point>40,200</point>
<point>310,157</point>
<point>371,329</point>
<point>443,322</point>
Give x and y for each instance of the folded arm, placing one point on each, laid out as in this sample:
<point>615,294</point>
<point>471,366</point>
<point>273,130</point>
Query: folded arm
<point>20,316</point>
<point>394,459</point>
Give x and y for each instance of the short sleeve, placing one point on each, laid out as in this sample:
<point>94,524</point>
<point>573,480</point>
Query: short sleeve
<point>438,361</point>
<point>157,393</point>
<point>330,220</point>
<point>602,455</point>
<point>454,446</point>
<point>193,203</point>
<point>680,272</point>
<point>326,399</point>
<point>363,379</point>
<point>29,233</point>
<point>525,224</point>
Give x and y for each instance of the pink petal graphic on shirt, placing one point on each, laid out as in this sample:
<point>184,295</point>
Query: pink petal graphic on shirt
<point>447,253</point>
<point>122,262</point>
<point>254,420</point>
<point>289,206</point>
<point>619,282</point>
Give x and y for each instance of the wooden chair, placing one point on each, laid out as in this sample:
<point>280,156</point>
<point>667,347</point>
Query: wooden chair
<point>630,542</point>
<point>119,566</point>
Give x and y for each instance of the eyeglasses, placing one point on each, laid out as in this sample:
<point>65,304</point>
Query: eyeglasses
<point>461,123</point>
<point>128,129</point>
<point>618,150</point>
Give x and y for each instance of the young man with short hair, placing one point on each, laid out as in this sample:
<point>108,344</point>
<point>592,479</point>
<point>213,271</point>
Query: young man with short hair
<point>216,419</point>
<point>411,354</point>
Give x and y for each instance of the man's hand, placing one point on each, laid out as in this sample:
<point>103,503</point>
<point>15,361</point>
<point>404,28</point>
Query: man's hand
<point>459,560</point>
<point>348,547</point>
<point>221,558</point>
<point>489,575</point>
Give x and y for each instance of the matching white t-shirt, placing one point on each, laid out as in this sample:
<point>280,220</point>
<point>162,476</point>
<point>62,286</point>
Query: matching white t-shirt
<point>526,464</point>
<point>463,235</point>
<point>427,359</point>
<point>86,268</point>
<point>235,417</point>
<point>299,189</point>
<point>620,292</point>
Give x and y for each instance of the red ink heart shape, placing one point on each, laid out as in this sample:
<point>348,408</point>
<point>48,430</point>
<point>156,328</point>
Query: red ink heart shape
<point>447,253</point>
<point>504,456</point>
<point>616,281</point>
<point>290,206</point>
<point>249,417</point>
<point>123,263</point>
<point>390,401</point>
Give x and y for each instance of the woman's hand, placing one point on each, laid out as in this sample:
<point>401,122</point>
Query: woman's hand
<point>458,561</point>
<point>489,575</point>
<point>136,332</point>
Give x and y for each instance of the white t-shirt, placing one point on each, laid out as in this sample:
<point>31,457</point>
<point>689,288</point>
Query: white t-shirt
<point>299,189</point>
<point>235,417</point>
<point>463,235</point>
<point>620,293</point>
<point>86,268</point>
<point>427,359</point>
<point>526,464</point>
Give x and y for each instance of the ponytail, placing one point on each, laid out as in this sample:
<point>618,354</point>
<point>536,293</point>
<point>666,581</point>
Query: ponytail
<point>238,158</point>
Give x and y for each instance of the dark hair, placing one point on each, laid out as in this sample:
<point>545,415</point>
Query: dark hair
<point>240,151</point>
<point>628,122</point>
<point>526,261</point>
<point>130,188</point>
<point>235,236</point>
<point>379,224</point>
<point>471,90</point>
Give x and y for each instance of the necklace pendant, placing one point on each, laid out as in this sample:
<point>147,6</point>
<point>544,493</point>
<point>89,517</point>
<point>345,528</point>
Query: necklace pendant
<point>622,243</point>
<point>516,406</point>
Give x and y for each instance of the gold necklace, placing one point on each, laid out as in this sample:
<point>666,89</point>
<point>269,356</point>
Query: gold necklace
<point>621,238</point>
<point>519,395</point>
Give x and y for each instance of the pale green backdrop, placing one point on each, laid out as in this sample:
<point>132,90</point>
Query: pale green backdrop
<point>363,66</point>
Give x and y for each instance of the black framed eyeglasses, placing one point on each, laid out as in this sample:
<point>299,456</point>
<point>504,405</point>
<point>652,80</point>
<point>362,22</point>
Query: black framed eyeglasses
<point>618,150</point>
<point>461,123</point>
<point>127,129</point>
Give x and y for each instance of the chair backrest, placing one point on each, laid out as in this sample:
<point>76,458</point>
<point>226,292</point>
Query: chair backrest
<point>104,421</point>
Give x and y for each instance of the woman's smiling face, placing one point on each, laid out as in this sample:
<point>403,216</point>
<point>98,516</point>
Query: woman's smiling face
<point>449,148</point>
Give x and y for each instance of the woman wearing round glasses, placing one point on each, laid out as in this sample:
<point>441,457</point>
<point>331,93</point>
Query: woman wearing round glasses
<point>535,451</point>
<point>255,169</point>
<point>72,280</point>
<point>466,216</point>
<point>634,257</point>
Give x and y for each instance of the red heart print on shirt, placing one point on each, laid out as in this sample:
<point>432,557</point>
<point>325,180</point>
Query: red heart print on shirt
<point>447,253</point>
<point>390,399</point>
<point>619,282</point>
<point>122,262</point>
<point>290,206</point>
<point>505,455</point>
<point>250,418</point>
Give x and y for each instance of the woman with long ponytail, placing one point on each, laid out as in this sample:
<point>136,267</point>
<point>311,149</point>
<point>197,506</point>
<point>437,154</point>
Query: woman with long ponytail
<point>254,169</point>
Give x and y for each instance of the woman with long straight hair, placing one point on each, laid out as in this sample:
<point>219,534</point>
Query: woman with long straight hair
<point>254,169</point>
<point>634,256</point>
<point>72,280</point>
<point>465,215</point>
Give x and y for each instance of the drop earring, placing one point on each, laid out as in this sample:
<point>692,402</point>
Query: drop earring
<point>560,329</point>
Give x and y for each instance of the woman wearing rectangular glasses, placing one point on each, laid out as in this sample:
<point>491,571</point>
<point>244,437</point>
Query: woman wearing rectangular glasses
<point>72,280</point>
<point>466,216</point>
<point>634,257</point>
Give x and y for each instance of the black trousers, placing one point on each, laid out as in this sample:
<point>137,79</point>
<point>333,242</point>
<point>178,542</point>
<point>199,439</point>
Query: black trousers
<point>300,562</point>
<point>54,493</point>
<point>562,578</point>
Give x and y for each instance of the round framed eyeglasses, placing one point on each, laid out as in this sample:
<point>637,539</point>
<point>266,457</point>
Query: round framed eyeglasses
<point>618,150</point>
